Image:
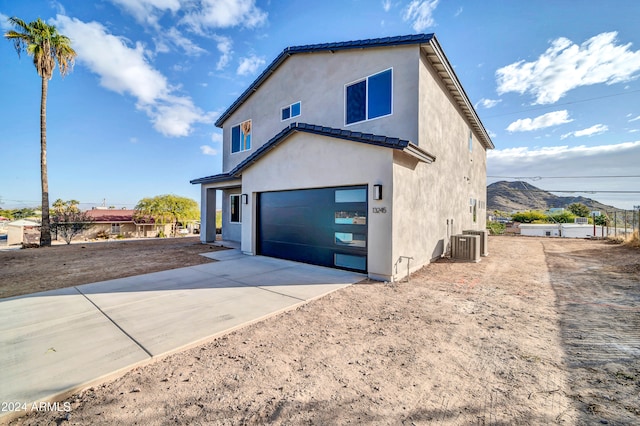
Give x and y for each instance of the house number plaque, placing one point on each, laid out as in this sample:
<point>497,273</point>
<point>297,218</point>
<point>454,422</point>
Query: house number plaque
<point>379,209</point>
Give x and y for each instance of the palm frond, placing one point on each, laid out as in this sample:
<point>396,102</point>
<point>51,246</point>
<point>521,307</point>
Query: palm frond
<point>45,44</point>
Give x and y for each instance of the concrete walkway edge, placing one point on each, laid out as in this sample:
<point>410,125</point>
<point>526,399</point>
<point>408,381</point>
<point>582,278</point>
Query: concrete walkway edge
<point>57,343</point>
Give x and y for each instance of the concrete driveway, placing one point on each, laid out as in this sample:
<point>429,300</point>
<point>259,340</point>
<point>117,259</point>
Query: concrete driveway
<point>56,342</point>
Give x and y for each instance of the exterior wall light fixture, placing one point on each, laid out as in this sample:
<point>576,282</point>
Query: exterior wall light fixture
<point>245,199</point>
<point>377,192</point>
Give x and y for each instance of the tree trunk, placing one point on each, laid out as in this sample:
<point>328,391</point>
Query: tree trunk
<point>45,228</point>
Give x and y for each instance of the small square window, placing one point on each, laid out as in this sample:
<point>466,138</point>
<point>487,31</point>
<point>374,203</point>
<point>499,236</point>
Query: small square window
<point>291,111</point>
<point>351,196</point>
<point>350,261</point>
<point>350,239</point>
<point>295,109</point>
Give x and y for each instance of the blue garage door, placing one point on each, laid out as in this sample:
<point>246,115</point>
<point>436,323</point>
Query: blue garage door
<point>326,226</point>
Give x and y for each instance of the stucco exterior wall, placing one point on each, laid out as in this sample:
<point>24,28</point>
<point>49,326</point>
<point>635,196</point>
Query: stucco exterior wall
<point>318,81</point>
<point>230,231</point>
<point>433,201</point>
<point>540,230</point>
<point>312,161</point>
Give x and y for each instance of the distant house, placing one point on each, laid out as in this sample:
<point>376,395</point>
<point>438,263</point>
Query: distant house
<point>122,222</point>
<point>565,230</point>
<point>540,230</point>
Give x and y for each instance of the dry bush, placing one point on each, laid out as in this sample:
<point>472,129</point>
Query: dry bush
<point>633,240</point>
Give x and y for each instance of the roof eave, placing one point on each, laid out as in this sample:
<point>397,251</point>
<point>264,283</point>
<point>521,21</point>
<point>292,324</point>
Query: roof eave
<point>419,153</point>
<point>450,80</point>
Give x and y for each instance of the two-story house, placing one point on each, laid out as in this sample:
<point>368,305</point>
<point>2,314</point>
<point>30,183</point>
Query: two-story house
<point>360,155</point>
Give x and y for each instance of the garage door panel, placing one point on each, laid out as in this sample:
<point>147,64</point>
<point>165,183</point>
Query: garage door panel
<point>299,252</point>
<point>297,235</point>
<point>326,226</point>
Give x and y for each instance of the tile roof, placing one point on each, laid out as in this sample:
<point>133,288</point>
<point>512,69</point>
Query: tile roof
<point>117,215</point>
<point>111,215</point>
<point>368,138</point>
<point>434,54</point>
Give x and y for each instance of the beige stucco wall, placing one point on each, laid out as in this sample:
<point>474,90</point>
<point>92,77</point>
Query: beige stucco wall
<point>432,201</point>
<point>312,161</point>
<point>318,81</point>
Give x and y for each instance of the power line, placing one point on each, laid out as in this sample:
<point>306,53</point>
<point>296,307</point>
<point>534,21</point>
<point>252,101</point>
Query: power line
<point>564,177</point>
<point>563,104</point>
<point>580,191</point>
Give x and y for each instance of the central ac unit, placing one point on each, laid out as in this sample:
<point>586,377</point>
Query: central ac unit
<point>465,247</point>
<point>484,240</point>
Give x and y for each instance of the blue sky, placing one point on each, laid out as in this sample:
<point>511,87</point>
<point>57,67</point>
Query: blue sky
<point>555,83</point>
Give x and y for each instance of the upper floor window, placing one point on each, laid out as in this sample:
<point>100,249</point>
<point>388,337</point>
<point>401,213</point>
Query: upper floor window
<point>241,137</point>
<point>290,111</point>
<point>369,98</point>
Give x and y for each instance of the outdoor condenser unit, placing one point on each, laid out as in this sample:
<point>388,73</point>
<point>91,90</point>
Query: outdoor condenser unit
<point>465,247</point>
<point>484,239</point>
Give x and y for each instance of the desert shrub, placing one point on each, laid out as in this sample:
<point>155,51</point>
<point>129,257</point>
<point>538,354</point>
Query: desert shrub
<point>564,217</point>
<point>529,217</point>
<point>161,234</point>
<point>496,228</point>
<point>103,235</point>
<point>633,240</point>
<point>120,237</point>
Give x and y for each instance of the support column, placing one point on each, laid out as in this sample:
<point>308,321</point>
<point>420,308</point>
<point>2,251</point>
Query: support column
<point>207,215</point>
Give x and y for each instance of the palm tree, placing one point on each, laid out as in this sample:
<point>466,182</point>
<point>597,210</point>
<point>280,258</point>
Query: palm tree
<point>47,46</point>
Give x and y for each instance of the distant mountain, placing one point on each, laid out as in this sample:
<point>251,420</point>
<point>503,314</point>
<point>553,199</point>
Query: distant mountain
<point>520,196</point>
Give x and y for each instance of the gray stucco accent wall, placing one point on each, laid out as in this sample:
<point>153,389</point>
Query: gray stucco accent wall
<point>230,231</point>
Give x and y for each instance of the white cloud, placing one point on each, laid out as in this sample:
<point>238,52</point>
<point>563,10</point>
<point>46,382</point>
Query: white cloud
<point>148,11</point>
<point>526,155</point>
<point>224,47</point>
<point>458,12</point>
<point>616,159</point>
<point>4,24</point>
<point>634,119</point>
<point>126,70</point>
<point>250,65</point>
<point>565,66</point>
<point>488,103</point>
<point>207,150</point>
<point>225,14</point>
<point>216,137</point>
<point>176,38</point>
<point>593,130</point>
<point>546,120</point>
<point>386,5</point>
<point>420,13</point>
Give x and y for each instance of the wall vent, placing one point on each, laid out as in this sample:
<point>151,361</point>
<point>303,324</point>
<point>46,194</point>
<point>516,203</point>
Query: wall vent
<point>484,239</point>
<point>465,247</point>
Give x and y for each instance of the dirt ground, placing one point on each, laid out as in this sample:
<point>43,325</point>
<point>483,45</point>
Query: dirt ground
<point>38,269</point>
<point>542,331</point>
